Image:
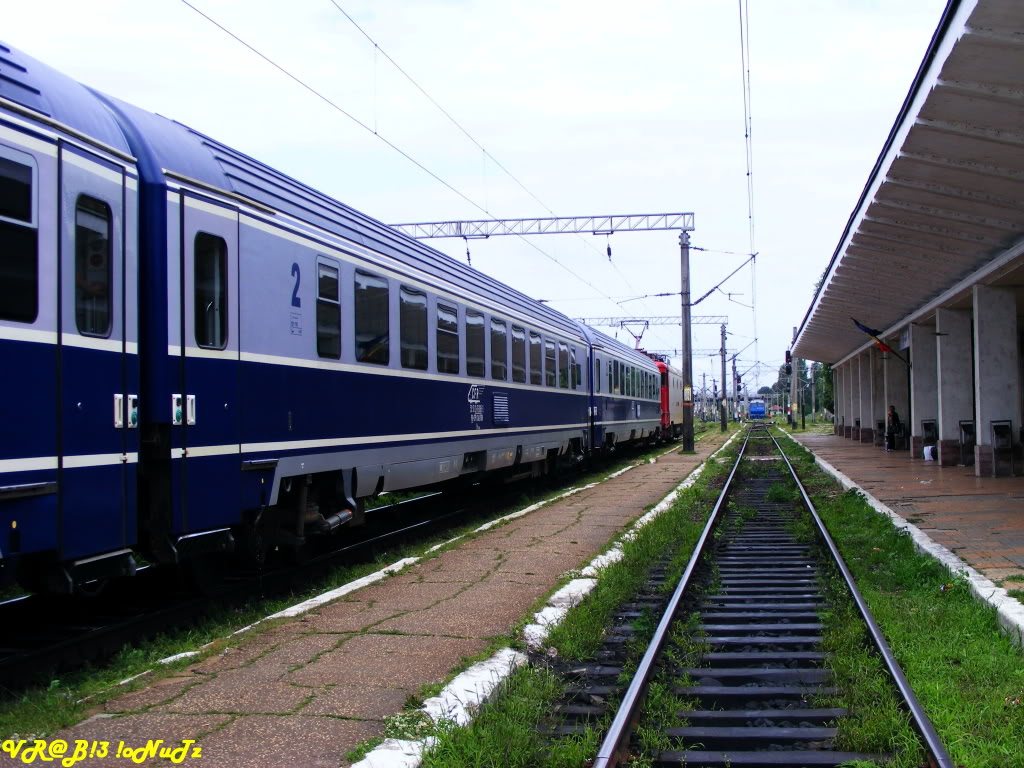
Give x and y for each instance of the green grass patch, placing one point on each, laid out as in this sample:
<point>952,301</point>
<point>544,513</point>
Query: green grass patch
<point>964,670</point>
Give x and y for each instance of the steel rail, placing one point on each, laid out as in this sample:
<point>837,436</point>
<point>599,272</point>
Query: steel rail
<point>939,756</point>
<point>616,741</point>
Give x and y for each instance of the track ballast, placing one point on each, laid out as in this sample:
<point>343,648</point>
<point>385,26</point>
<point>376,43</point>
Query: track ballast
<point>752,597</point>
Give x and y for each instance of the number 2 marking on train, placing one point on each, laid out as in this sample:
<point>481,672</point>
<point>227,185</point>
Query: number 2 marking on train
<point>296,300</point>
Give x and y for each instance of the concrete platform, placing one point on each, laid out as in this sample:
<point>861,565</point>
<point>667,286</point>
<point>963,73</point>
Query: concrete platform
<point>307,691</point>
<point>980,519</point>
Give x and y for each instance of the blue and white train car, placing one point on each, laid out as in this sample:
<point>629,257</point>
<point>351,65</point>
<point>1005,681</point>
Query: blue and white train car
<point>254,355</point>
<point>627,393</point>
<point>69,445</point>
<point>302,356</point>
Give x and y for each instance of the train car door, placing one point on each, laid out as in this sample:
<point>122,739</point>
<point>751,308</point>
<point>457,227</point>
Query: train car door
<point>207,412</point>
<point>98,361</point>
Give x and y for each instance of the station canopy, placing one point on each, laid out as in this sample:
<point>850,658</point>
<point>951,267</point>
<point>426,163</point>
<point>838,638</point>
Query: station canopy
<point>946,195</point>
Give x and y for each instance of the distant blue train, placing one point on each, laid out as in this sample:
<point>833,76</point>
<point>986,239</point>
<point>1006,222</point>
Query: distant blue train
<point>757,410</point>
<point>203,354</point>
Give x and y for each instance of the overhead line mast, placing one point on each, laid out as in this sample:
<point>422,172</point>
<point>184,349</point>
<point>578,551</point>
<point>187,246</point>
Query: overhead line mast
<point>597,225</point>
<point>551,225</point>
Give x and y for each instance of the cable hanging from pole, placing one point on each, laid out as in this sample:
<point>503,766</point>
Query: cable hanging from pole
<point>473,139</point>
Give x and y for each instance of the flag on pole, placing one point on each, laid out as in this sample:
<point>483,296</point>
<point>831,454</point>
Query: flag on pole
<point>874,334</point>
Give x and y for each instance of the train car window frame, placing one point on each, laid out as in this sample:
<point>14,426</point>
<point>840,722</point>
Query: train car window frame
<point>19,231</point>
<point>550,366</point>
<point>371,336</point>
<point>536,359</point>
<point>445,337</point>
<point>518,354</point>
<point>563,365</point>
<point>597,374</point>
<point>476,348</point>
<point>610,366</point>
<point>616,377</point>
<point>499,349</point>
<point>413,332</point>
<point>94,267</point>
<point>328,308</point>
<point>210,290</point>
<point>574,372</point>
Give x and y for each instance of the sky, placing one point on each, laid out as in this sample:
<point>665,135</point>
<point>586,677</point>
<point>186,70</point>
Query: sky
<point>592,106</point>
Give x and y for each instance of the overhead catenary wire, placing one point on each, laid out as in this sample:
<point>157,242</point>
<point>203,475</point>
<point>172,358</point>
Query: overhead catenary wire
<point>389,143</point>
<point>486,154</point>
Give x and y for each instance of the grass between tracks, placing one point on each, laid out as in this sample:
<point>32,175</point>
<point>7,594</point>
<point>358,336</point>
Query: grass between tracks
<point>506,730</point>
<point>967,674</point>
<point>68,698</point>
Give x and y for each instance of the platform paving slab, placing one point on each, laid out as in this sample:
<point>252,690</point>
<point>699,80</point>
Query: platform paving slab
<point>310,689</point>
<point>136,730</point>
<point>285,742</point>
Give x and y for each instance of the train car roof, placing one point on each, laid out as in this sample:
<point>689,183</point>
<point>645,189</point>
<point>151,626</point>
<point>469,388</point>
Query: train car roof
<point>57,98</point>
<point>166,145</point>
<point>604,341</point>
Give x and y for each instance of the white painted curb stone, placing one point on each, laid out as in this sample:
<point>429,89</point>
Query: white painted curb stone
<point>1009,611</point>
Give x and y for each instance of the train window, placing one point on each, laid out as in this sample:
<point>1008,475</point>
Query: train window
<point>373,326</point>
<point>597,374</point>
<point>574,372</point>
<point>328,311</point>
<point>412,328</point>
<point>610,366</point>
<point>563,365</point>
<point>19,270</point>
<point>499,350</point>
<point>535,359</point>
<point>474,344</point>
<point>210,274</point>
<point>549,363</point>
<point>94,272</point>
<point>15,190</point>
<point>616,378</point>
<point>447,339</point>
<point>518,354</point>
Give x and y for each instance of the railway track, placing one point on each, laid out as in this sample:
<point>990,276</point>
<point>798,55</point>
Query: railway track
<point>43,634</point>
<point>750,598</point>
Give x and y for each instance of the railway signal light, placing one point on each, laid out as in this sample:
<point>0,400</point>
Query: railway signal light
<point>789,363</point>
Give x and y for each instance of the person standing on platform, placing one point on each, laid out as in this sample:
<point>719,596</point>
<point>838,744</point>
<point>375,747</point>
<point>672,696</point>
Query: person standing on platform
<point>892,427</point>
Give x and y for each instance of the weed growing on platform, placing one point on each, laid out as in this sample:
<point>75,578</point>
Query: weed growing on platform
<point>964,670</point>
<point>504,731</point>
